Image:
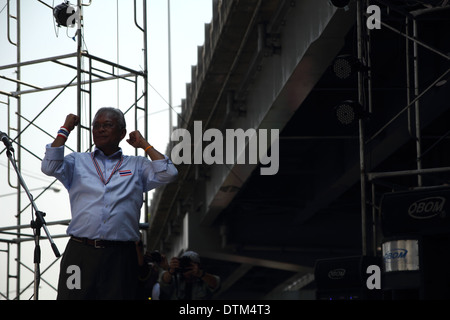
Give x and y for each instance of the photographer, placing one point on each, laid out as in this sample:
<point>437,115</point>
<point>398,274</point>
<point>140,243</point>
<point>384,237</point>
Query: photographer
<point>186,280</point>
<point>151,264</point>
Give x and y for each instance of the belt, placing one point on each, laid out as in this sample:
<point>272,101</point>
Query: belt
<point>100,244</point>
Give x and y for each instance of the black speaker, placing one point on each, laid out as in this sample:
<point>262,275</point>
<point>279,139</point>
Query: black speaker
<point>345,278</point>
<point>423,211</point>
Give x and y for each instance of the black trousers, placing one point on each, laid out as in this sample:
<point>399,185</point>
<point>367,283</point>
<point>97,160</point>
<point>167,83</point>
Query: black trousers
<point>88,273</point>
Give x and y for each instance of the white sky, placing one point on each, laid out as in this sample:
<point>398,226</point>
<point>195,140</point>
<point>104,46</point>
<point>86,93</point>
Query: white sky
<point>41,39</point>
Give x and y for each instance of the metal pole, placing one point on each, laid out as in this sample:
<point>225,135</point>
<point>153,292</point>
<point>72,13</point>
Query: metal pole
<point>145,69</point>
<point>408,76</point>
<point>170,67</point>
<point>145,31</point>
<point>79,46</point>
<point>368,45</point>
<point>417,107</point>
<point>359,13</point>
<point>374,222</point>
<point>19,151</point>
<point>378,175</point>
<point>8,271</point>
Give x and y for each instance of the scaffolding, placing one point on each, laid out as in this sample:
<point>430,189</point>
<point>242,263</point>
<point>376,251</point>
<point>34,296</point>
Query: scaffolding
<point>409,14</point>
<point>86,72</point>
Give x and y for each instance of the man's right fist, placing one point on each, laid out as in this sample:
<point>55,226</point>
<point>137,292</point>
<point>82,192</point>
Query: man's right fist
<point>71,121</point>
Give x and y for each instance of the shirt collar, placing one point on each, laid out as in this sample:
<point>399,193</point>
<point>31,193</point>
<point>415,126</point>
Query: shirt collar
<point>99,153</point>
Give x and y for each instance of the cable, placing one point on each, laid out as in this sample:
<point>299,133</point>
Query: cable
<point>171,107</point>
<point>4,6</point>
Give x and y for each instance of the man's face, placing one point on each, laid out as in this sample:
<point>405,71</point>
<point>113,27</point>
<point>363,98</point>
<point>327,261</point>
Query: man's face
<point>107,132</point>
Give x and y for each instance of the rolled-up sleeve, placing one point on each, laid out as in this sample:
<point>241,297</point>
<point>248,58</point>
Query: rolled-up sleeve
<point>159,172</point>
<point>56,165</point>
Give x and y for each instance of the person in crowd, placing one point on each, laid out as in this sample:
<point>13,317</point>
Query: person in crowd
<point>186,279</point>
<point>151,265</point>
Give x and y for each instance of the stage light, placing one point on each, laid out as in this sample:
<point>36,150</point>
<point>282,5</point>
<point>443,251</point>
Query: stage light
<point>441,83</point>
<point>340,3</point>
<point>349,112</point>
<point>64,14</point>
<point>344,66</point>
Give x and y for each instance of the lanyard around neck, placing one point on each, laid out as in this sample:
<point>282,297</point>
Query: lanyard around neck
<point>99,171</point>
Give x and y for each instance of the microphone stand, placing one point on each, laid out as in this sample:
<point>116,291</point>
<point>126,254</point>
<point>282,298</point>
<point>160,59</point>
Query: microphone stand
<point>36,225</point>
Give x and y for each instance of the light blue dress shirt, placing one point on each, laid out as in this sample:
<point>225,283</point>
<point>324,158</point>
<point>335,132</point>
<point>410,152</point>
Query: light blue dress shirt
<point>111,210</point>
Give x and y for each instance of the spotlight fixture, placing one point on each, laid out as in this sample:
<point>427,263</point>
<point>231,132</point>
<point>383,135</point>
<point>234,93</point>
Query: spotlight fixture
<point>344,66</point>
<point>349,111</point>
<point>444,80</point>
<point>340,3</point>
<point>441,83</point>
<point>63,13</point>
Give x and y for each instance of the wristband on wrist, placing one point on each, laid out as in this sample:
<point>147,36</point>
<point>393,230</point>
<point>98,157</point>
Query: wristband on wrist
<point>145,150</point>
<point>64,132</point>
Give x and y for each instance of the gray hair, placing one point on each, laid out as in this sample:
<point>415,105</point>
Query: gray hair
<point>116,113</point>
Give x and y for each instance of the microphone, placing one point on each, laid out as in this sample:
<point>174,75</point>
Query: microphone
<point>5,139</point>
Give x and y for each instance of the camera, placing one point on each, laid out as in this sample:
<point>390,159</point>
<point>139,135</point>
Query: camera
<point>153,257</point>
<point>185,264</point>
